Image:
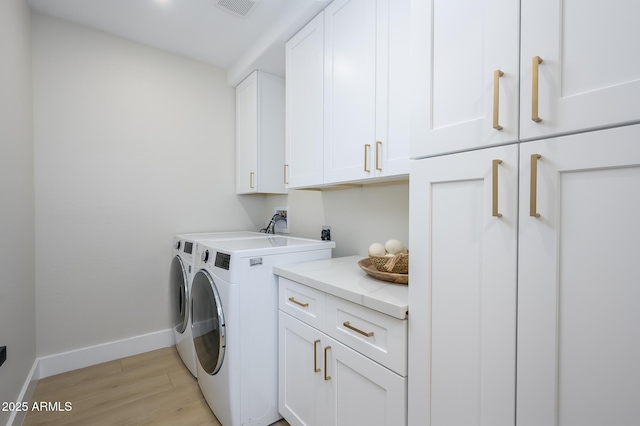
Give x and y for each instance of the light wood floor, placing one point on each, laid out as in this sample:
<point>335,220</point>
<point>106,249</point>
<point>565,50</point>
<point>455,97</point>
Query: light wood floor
<point>153,388</point>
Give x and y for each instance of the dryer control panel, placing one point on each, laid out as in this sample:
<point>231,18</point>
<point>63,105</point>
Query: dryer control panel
<point>222,260</point>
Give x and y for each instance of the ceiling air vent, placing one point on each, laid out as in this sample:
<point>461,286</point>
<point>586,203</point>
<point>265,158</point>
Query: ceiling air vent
<point>241,8</point>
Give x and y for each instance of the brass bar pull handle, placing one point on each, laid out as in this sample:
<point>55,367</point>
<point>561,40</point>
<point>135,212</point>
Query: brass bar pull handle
<point>533,191</point>
<point>366,148</point>
<point>304,305</point>
<point>251,180</point>
<point>496,98</point>
<point>357,330</point>
<point>286,182</point>
<point>494,183</point>
<point>315,357</point>
<point>378,147</point>
<point>535,61</point>
<point>325,363</point>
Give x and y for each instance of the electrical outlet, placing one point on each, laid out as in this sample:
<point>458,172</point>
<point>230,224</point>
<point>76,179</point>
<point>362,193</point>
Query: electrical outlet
<point>325,235</point>
<point>282,224</point>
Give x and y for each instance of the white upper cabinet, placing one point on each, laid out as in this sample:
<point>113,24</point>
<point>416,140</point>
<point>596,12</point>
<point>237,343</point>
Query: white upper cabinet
<point>260,134</point>
<point>304,56</point>
<point>477,86</point>
<point>589,76</point>
<point>364,96</point>
<point>465,56</point>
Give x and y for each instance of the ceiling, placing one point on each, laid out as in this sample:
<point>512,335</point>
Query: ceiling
<point>198,29</point>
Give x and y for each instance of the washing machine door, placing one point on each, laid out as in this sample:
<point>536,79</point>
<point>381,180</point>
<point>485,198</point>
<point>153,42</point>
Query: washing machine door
<point>179,294</point>
<point>207,322</point>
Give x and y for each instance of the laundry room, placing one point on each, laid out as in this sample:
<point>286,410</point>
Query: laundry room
<point>145,145</point>
<point>111,148</point>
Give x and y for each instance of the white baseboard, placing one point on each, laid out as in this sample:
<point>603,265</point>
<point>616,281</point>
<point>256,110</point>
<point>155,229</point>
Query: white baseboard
<point>26,393</point>
<point>67,361</point>
<point>92,355</point>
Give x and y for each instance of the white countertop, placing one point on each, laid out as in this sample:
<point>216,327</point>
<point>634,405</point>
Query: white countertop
<point>342,277</point>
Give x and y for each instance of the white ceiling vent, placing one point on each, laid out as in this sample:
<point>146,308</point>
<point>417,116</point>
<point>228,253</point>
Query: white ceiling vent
<point>241,8</point>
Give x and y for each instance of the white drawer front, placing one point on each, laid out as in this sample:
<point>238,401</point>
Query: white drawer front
<point>372,333</point>
<point>302,302</point>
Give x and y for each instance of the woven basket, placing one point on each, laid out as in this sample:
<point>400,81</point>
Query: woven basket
<point>398,264</point>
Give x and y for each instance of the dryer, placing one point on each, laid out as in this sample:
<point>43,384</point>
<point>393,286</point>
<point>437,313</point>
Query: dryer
<point>235,323</point>
<point>180,276</point>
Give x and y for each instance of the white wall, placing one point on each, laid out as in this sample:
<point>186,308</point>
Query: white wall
<point>17,281</point>
<point>358,216</point>
<point>132,145</point>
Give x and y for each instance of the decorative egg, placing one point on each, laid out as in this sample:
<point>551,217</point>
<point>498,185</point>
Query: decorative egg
<point>377,249</point>
<point>394,247</point>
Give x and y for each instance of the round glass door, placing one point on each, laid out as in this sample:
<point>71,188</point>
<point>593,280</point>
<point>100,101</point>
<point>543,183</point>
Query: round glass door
<point>179,294</point>
<point>207,323</point>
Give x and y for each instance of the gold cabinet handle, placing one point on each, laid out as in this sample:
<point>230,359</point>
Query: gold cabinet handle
<point>304,305</point>
<point>494,183</point>
<point>535,61</point>
<point>325,363</point>
<point>496,98</point>
<point>366,148</point>
<point>378,147</point>
<point>251,180</point>
<point>357,330</point>
<point>533,191</point>
<point>315,357</point>
<point>286,182</point>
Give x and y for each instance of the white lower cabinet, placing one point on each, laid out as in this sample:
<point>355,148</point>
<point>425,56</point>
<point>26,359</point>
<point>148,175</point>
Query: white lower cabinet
<point>462,347</point>
<point>565,350</point>
<point>325,382</point>
<point>579,280</point>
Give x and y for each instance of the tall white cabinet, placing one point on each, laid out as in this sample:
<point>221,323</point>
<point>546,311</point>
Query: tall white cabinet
<point>524,274</point>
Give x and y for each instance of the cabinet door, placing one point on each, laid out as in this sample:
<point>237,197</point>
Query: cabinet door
<point>578,280</point>
<point>462,331</point>
<point>301,388</point>
<point>457,46</point>
<point>391,153</point>
<point>304,57</point>
<point>247,135</point>
<point>362,391</point>
<point>589,76</point>
<point>354,29</point>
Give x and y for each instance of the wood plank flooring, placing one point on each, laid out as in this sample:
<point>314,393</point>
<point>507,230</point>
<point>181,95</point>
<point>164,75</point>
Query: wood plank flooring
<point>154,388</point>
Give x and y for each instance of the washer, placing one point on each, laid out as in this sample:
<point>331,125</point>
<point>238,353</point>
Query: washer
<point>180,277</point>
<point>235,323</point>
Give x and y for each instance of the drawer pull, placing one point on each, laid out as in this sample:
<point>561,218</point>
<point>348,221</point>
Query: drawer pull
<point>304,305</point>
<point>350,327</point>
<point>315,358</point>
<point>327,378</point>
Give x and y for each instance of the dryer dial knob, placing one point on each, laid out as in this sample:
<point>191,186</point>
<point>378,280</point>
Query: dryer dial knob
<point>205,256</point>
<point>178,244</point>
